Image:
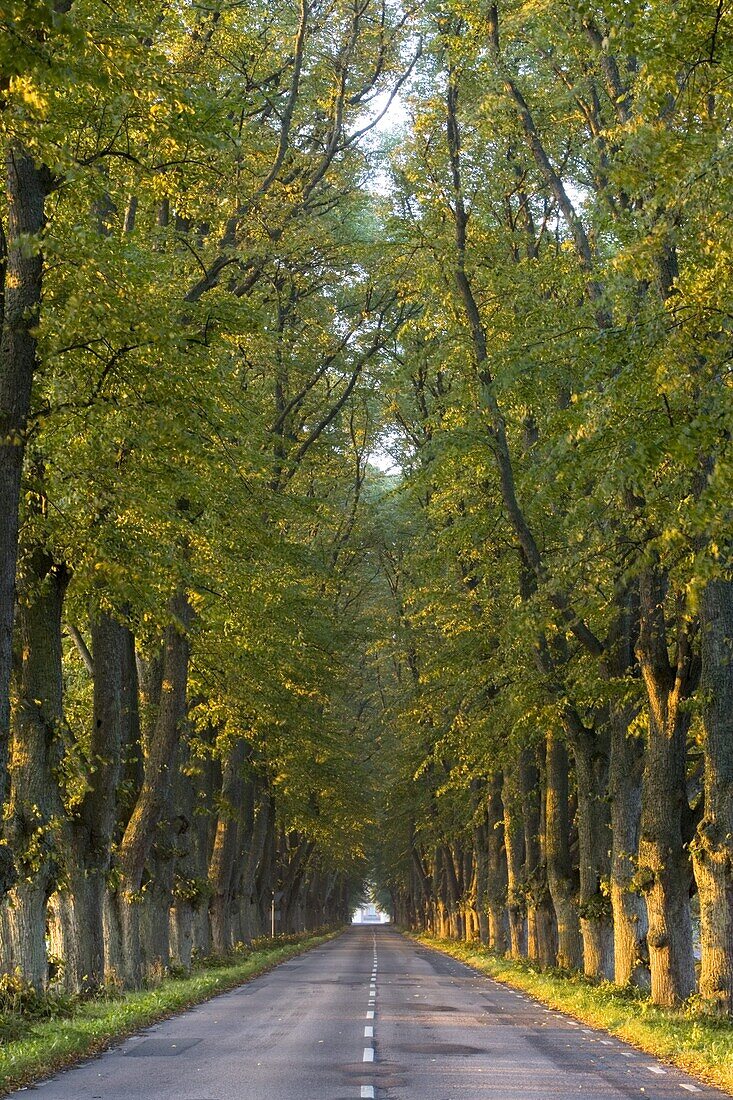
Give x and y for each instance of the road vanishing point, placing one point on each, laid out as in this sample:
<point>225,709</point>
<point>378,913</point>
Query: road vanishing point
<point>371,1014</point>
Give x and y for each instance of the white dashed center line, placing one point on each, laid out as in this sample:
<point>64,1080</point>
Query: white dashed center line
<point>656,1069</point>
<point>690,1088</point>
<point>368,1056</point>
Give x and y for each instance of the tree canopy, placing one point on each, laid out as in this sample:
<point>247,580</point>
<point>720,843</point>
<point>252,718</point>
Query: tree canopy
<point>365,417</point>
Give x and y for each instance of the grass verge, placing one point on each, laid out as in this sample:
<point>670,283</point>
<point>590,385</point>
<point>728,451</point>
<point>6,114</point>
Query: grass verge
<point>40,1047</point>
<point>698,1043</point>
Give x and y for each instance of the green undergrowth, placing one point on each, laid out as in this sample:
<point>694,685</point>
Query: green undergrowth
<point>698,1043</point>
<point>40,1034</point>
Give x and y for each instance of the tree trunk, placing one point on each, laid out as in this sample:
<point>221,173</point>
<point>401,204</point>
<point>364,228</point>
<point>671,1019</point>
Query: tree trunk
<point>514,843</point>
<point>193,803</point>
<point>540,930</point>
<point>160,761</point>
<point>560,876</point>
<point>455,917</point>
<point>481,856</point>
<point>590,751</point>
<point>496,867</point>
<point>253,857</point>
<point>79,907</point>
<point>664,866</point>
<point>34,829</point>
<point>21,269</point>
<point>713,846</point>
<point>224,855</point>
<point>630,952</point>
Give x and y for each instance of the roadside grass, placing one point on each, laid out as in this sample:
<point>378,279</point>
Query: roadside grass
<point>57,1031</point>
<point>699,1043</point>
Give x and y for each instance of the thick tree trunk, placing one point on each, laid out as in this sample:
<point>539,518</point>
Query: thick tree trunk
<point>267,873</point>
<point>34,828</point>
<point>713,846</point>
<point>299,852</point>
<point>514,844</point>
<point>79,908</point>
<point>27,928</point>
<point>481,856</point>
<point>157,903</point>
<point>664,865</point>
<point>123,953</point>
<point>423,892</point>
<point>540,917</point>
<point>160,763</point>
<point>21,269</point>
<point>454,893</point>
<point>560,876</point>
<point>77,928</point>
<point>193,800</point>
<point>496,867</point>
<point>590,752</point>
<point>224,855</point>
<point>630,952</point>
<point>252,861</point>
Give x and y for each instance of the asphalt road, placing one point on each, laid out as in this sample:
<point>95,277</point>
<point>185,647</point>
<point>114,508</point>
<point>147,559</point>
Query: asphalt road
<point>371,1014</point>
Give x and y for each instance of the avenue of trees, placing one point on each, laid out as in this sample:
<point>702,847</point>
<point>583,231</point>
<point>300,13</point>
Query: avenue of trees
<point>248,251</point>
<point>194,301</point>
<point>558,568</point>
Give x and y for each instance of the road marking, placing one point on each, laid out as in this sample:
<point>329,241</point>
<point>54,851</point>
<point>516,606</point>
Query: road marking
<point>368,1054</point>
<point>690,1088</point>
<point>367,1092</point>
<point>368,1032</point>
<point>626,1054</point>
<point>370,1014</point>
<point>607,1042</point>
<point>656,1069</point>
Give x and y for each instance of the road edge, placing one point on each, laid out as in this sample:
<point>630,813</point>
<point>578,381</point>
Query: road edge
<point>43,1062</point>
<point>548,989</point>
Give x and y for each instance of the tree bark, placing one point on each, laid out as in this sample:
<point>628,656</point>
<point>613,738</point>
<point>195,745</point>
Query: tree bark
<point>664,866</point>
<point>153,797</point>
<point>713,846</point>
<point>496,867</point>
<point>80,906</point>
<point>560,876</point>
<point>21,264</point>
<point>514,843</point>
<point>253,856</point>
<point>35,825</point>
<point>481,856</point>
<point>540,931</point>
<point>590,752</point>
<point>224,854</point>
<point>630,952</point>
